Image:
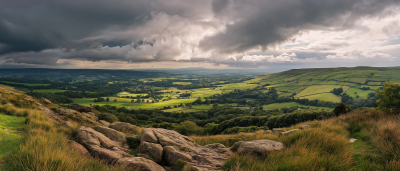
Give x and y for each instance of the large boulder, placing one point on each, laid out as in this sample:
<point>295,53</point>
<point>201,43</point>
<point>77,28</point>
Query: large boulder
<point>78,147</point>
<point>112,134</point>
<point>125,127</point>
<point>258,147</point>
<point>140,164</point>
<point>147,135</point>
<point>305,127</point>
<point>177,146</point>
<point>83,108</point>
<point>172,154</point>
<point>63,111</point>
<point>105,123</point>
<point>99,145</point>
<point>154,150</point>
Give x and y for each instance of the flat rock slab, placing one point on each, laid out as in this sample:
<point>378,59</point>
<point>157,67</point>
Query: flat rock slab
<point>140,164</point>
<point>352,140</point>
<point>258,147</point>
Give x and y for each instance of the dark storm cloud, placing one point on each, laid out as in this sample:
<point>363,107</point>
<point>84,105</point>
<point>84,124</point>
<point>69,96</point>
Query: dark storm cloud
<point>43,31</point>
<point>262,23</point>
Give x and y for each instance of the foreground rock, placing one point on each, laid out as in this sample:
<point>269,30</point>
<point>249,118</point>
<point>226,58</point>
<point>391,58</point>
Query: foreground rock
<point>177,146</point>
<point>124,127</point>
<point>286,133</point>
<point>154,150</point>
<point>305,127</point>
<point>82,108</point>
<point>99,145</point>
<point>105,123</point>
<point>112,134</point>
<point>258,147</point>
<point>78,147</point>
<point>140,164</point>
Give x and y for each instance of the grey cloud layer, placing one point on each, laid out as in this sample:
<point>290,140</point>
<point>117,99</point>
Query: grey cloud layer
<point>43,31</point>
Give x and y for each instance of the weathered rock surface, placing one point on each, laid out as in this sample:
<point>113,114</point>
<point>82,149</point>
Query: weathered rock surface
<point>277,129</point>
<point>268,132</point>
<point>125,127</point>
<point>258,147</point>
<point>67,124</point>
<point>112,134</point>
<point>140,164</point>
<point>83,108</point>
<point>99,145</point>
<point>78,147</point>
<point>177,146</point>
<point>286,133</point>
<point>64,111</point>
<point>105,123</point>
<point>154,150</point>
<point>147,135</point>
<point>305,127</point>
<point>45,100</point>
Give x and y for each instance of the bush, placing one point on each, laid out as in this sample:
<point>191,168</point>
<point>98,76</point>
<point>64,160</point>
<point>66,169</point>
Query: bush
<point>341,109</point>
<point>107,117</point>
<point>132,142</point>
<point>189,128</point>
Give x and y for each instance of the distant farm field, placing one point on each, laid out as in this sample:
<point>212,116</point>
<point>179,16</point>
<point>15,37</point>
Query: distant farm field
<point>330,97</point>
<point>130,94</point>
<point>363,94</point>
<point>159,105</point>
<point>48,91</point>
<point>193,109</point>
<point>290,104</point>
<point>182,83</point>
<point>317,89</point>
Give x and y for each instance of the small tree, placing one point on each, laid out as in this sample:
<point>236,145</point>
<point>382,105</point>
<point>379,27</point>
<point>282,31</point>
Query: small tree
<point>341,109</point>
<point>107,99</point>
<point>389,97</point>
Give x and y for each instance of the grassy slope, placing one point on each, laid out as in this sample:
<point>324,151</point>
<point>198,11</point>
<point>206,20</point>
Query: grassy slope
<point>10,141</point>
<point>326,146</point>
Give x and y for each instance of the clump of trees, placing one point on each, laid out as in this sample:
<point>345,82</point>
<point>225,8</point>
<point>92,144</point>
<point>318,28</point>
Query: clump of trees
<point>341,109</point>
<point>337,91</point>
<point>389,97</point>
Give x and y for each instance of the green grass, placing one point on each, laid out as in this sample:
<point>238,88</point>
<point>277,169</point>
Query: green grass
<point>182,83</point>
<point>26,84</point>
<point>290,104</point>
<point>363,94</point>
<point>48,91</point>
<point>10,141</point>
<point>130,94</point>
<point>330,97</point>
<point>317,89</point>
<point>159,105</point>
<point>358,80</point>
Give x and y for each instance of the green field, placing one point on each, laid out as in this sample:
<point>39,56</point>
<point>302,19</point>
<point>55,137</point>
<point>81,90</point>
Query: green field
<point>159,105</point>
<point>26,84</point>
<point>290,104</point>
<point>48,91</point>
<point>194,108</point>
<point>330,97</point>
<point>316,90</point>
<point>130,94</point>
<point>182,83</point>
<point>10,141</point>
<point>363,94</point>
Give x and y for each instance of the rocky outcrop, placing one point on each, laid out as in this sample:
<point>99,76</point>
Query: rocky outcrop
<point>147,135</point>
<point>286,133</point>
<point>124,127</point>
<point>305,127</point>
<point>99,145</point>
<point>45,100</point>
<point>105,123</point>
<point>140,164</point>
<point>83,108</point>
<point>177,146</point>
<point>112,134</point>
<point>78,147</point>
<point>277,129</point>
<point>154,150</point>
<point>258,147</point>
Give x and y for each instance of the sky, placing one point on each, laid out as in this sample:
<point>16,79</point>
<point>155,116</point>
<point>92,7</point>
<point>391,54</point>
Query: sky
<point>218,34</point>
